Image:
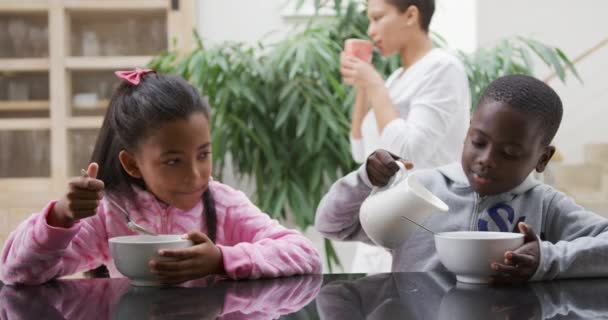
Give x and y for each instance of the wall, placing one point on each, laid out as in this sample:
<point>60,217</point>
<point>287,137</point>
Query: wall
<point>574,28</point>
<point>240,20</point>
<point>250,21</point>
<point>455,20</point>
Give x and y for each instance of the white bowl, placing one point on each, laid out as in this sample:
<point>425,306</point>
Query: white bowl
<point>132,254</point>
<point>469,254</point>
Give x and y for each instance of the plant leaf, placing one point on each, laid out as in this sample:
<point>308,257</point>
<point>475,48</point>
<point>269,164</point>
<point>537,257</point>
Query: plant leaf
<point>568,63</point>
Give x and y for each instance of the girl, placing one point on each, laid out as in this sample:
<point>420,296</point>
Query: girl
<point>153,157</point>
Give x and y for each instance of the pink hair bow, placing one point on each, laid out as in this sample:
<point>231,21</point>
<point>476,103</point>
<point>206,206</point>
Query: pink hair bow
<point>133,76</point>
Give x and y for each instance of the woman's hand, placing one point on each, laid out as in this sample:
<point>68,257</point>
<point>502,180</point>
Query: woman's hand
<point>359,73</point>
<point>521,264</point>
<point>80,202</point>
<point>200,260</point>
<point>381,166</point>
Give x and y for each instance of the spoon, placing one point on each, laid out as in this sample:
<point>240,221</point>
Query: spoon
<point>416,223</point>
<point>132,225</point>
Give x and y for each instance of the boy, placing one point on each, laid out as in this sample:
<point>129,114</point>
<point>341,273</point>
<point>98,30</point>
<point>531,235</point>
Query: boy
<point>490,190</point>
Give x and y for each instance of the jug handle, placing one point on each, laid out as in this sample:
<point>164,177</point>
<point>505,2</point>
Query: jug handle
<point>395,179</point>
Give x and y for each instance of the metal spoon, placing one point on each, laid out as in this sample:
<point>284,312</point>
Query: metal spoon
<point>416,223</point>
<point>132,225</point>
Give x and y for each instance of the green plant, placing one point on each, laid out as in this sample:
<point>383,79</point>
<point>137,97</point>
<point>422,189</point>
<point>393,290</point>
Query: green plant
<point>511,56</point>
<point>281,112</point>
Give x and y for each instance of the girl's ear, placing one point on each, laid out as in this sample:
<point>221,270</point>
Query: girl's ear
<point>127,160</point>
<point>544,158</point>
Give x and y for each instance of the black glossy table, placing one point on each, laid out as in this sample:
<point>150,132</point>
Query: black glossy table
<point>338,296</point>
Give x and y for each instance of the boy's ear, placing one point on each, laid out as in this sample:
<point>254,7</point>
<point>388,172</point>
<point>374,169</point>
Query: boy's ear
<point>127,160</point>
<point>544,158</point>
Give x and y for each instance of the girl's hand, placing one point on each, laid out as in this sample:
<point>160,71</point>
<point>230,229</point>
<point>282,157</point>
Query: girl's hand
<point>381,166</point>
<point>359,73</point>
<point>80,202</point>
<point>519,265</point>
<point>200,260</point>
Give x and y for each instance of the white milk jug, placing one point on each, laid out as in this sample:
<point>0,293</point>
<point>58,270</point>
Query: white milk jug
<point>382,213</point>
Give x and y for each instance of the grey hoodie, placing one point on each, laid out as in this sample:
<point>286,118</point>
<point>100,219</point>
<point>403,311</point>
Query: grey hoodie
<point>574,242</point>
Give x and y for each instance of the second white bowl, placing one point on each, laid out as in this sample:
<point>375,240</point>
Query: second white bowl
<point>469,254</point>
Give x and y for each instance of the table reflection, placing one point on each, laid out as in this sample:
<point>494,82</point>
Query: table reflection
<point>384,296</point>
<point>439,296</point>
<point>336,297</point>
<point>116,299</point>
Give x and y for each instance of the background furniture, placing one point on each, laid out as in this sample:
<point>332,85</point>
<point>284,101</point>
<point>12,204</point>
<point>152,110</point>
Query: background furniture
<point>57,59</point>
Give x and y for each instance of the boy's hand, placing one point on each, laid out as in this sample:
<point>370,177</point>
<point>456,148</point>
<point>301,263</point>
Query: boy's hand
<point>202,259</point>
<point>519,265</point>
<point>381,167</point>
<point>80,202</point>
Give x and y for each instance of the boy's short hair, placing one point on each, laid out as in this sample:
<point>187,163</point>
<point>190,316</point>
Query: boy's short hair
<point>531,96</point>
<point>425,7</point>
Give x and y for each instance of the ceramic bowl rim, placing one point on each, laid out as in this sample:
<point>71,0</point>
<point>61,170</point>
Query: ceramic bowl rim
<point>162,238</point>
<point>478,235</point>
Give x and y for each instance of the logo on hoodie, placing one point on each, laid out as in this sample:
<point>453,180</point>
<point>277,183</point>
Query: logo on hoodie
<point>502,217</point>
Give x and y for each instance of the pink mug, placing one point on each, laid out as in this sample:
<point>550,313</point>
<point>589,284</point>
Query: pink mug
<point>359,48</point>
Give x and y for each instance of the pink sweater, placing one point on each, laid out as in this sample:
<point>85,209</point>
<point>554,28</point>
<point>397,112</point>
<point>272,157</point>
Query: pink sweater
<point>252,244</point>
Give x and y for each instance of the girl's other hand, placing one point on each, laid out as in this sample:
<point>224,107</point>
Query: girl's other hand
<point>195,262</point>
<point>359,73</point>
<point>81,201</point>
<point>381,166</point>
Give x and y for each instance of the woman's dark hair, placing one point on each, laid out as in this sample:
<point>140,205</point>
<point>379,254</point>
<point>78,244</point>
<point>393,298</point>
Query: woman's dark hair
<point>425,7</point>
<point>134,112</point>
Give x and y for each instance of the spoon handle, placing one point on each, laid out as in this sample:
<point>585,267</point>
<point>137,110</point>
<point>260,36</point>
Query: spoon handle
<point>120,208</point>
<point>138,229</point>
<point>123,211</point>
<point>416,223</point>
<point>132,225</point>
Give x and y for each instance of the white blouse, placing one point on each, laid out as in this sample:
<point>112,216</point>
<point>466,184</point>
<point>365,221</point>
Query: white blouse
<point>433,99</point>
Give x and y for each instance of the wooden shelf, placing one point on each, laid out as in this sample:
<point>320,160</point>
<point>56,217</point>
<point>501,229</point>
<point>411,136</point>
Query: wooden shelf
<point>42,184</point>
<point>29,105</point>
<point>100,104</point>
<point>25,124</point>
<point>103,104</point>
<point>107,63</point>
<point>64,72</point>
<point>117,5</point>
<point>13,6</point>
<point>24,65</point>
<point>93,122</point>
<point>29,192</point>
